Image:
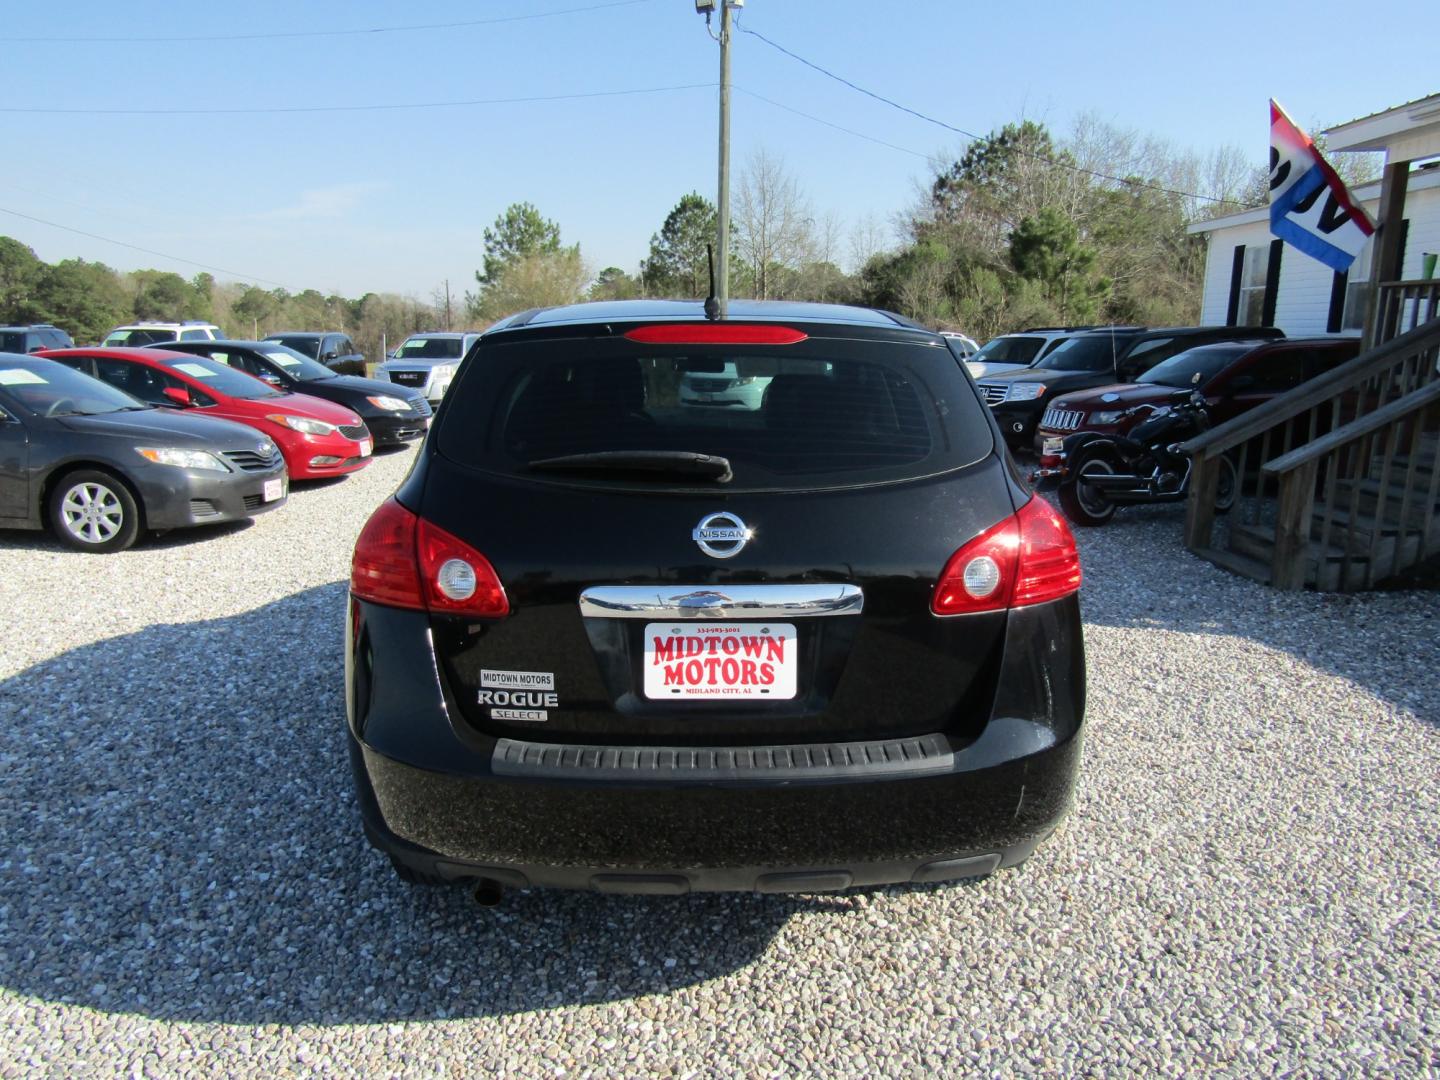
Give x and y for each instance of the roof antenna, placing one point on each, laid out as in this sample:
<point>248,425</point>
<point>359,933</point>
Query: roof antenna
<point>712,306</point>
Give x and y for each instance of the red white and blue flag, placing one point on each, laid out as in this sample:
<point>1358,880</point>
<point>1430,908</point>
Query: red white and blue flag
<point>1310,207</point>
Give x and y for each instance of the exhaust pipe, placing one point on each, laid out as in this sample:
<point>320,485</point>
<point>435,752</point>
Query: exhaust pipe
<point>488,892</point>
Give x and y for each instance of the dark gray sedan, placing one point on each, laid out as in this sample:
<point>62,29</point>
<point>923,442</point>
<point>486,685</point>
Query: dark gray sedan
<point>98,466</point>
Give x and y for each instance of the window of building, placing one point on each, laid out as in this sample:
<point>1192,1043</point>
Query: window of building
<point>1251,311</point>
<point>1357,290</point>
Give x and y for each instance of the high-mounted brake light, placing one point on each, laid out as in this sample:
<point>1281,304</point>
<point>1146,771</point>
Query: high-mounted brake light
<point>1029,558</point>
<point>715,334</point>
<point>404,561</point>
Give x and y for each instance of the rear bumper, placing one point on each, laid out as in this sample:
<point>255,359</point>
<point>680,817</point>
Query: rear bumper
<point>446,801</point>
<point>671,839</point>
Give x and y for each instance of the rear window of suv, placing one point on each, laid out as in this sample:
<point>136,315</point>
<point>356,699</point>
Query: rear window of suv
<point>827,413</point>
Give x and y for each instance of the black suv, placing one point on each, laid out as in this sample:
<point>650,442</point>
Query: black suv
<point>1111,354</point>
<point>336,351</point>
<point>33,338</point>
<point>605,638</point>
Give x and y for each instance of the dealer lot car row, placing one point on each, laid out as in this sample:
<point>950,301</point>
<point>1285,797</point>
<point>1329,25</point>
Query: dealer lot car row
<point>97,466</point>
<point>101,445</point>
<point>1108,378</point>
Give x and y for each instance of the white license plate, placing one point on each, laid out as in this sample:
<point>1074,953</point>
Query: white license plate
<point>364,447</point>
<point>273,489</point>
<point>1053,446</point>
<point>720,661</point>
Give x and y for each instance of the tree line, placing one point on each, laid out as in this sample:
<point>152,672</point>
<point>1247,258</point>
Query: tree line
<point>1023,227</point>
<point>87,299</point>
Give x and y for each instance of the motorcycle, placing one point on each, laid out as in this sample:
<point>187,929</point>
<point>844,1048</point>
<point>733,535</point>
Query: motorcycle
<point>1094,474</point>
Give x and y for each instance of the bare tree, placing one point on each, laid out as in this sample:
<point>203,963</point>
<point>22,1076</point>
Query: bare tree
<point>868,237</point>
<point>444,305</point>
<point>773,222</point>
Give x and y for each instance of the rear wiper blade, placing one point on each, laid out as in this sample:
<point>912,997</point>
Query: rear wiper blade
<point>681,462</point>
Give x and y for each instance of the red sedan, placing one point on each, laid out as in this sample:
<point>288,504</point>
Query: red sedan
<point>317,438</point>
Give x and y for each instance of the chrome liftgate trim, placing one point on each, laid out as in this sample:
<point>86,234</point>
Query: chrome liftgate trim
<point>731,602</point>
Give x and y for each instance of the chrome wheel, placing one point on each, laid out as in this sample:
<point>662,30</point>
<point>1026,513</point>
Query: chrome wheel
<point>1092,499</point>
<point>1083,503</point>
<point>92,513</point>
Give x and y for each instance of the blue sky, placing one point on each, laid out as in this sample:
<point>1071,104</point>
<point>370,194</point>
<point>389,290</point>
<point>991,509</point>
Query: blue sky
<point>397,200</point>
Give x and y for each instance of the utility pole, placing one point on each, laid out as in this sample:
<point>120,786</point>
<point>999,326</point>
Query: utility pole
<point>722,209</point>
<point>722,200</point>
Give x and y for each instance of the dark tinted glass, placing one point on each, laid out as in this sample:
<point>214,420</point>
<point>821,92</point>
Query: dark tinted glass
<point>1276,371</point>
<point>52,389</point>
<point>141,381</point>
<point>296,364</point>
<point>1194,367</point>
<point>1009,350</point>
<point>136,338</point>
<point>430,349</point>
<point>1086,354</point>
<point>301,343</point>
<point>827,414</point>
<point>214,375</point>
<point>12,342</point>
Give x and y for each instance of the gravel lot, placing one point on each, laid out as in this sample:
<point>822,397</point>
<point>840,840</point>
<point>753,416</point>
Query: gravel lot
<point>1247,886</point>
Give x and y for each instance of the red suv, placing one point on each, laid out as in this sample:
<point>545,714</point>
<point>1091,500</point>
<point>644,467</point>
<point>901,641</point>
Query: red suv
<point>1234,376</point>
<point>318,438</point>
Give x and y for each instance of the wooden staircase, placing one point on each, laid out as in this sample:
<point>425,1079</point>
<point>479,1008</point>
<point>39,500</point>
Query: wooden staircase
<point>1339,479</point>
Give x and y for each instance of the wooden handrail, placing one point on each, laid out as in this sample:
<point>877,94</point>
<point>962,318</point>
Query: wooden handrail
<point>1315,392</point>
<point>1396,410</point>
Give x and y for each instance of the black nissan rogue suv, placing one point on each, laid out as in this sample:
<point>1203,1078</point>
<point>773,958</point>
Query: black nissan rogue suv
<point>602,638</point>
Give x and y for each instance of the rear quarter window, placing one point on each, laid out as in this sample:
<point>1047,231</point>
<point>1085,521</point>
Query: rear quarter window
<point>824,413</point>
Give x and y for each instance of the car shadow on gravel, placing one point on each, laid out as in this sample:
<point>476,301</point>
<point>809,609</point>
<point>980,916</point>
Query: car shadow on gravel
<point>180,841</point>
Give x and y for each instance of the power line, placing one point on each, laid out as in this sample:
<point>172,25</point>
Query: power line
<point>837,127</point>
<point>332,33</point>
<point>147,251</point>
<point>970,134</point>
<point>246,111</point>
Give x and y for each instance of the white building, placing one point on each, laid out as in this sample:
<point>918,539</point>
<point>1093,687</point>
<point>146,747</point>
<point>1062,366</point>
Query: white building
<point>1254,279</point>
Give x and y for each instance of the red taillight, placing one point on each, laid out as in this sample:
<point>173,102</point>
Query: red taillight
<point>1049,561</point>
<point>458,579</point>
<point>1028,558</point>
<point>403,561</point>
<point>715,334</point>
<point>383,568</point>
